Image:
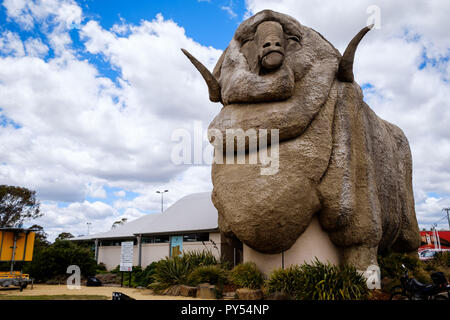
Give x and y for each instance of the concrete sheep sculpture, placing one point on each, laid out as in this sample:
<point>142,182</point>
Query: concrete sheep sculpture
<point>337,159</point>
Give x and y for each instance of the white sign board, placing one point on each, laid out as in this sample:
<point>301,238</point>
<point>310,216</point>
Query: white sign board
<point>126,256</point>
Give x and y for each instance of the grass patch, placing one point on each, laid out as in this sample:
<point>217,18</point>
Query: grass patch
<point>54,297</point>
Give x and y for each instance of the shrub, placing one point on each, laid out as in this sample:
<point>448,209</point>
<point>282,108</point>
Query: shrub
<point>52,261</point>
<point>226,265</point>
<point>175,270</point>
<point>391,264</point>
<point>440,262</point>
<point>212,274</point>
<point>247,275</point>
<point>101,268</point>
<point>441,259</point>
<point>199,258</point>
<point>116,269</point>
<point>422,276</point>
<point>287,281</point>
<point>143,277</point>
<point>321,281</point>
<point>168,272</point>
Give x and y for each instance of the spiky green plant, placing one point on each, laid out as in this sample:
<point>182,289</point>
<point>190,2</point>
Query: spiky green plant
<point>196,258</point>
<point>175,270</point>
<point>288,281</point>
<point>319,281</point>
<point>168,272</point>
<point>322,281</point>
<point>212,274</point>
<point>247,275</point>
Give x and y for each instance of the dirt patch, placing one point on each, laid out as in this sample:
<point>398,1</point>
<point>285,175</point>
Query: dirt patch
<point>57,297</point>
<point>60,290</point>
<point>109,278</point>
<point>379,295</point>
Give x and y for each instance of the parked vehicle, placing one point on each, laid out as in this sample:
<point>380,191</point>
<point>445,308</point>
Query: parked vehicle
<point>14,278</point>
<point>93,282</point>
<point>411,289</point>
<point>16,244</point>
<point>428,254</point>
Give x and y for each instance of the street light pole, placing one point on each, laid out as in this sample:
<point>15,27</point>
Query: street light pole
<point>162,198</point>
<point>88,225</point>
<point>448,216</point>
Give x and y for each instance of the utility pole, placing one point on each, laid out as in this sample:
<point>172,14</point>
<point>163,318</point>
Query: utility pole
<point>448,215</point>
<point>162,198</point>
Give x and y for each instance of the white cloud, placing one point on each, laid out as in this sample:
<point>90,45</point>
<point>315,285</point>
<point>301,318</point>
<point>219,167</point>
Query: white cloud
<point>35,48</point>
<point>193,179</point>
<point>340,20</point>
<point>81,131</point>
<point>10,44</point>
<point>75,216</point>
<point>62,13</point>
<point>430,211</point>
<point>120,194</point>
<point>96,191</point>
<point>229,10</point>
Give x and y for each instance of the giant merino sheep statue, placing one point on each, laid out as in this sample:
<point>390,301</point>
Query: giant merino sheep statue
<point>337,159</point>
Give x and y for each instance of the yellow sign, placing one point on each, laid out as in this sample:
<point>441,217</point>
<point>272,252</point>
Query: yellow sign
<point>16,246</point>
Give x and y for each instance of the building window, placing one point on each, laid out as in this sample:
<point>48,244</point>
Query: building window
<point>117,243</point>
<point>148,240</point>
<point>203,236</point>
<point>161,239</point>
<point>191,237</point>
<point>194,237</point>
<point>109,243</point>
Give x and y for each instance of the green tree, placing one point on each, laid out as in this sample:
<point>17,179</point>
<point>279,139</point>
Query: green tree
<point>53,260</point>
<point>40,239</point>
<point>17,205</point>
<point>64,236</point>
<point>119,223</point>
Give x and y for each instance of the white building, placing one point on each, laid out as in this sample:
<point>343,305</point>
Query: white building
<point>189,224</point>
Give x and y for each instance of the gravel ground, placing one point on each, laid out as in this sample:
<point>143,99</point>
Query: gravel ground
<point>43,289</point>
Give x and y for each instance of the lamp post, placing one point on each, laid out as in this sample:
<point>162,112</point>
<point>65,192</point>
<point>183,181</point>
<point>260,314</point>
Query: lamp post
<point>162,198</point>
<point>448,215</point>
<point>88,225</point>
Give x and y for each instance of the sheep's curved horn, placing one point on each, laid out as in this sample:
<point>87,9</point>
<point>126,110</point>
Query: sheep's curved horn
<point>213,85</point>
<point>345,71</point>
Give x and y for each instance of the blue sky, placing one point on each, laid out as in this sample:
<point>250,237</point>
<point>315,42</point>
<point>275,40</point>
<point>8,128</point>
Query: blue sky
<point>212,23</point>
<point>91,91</point>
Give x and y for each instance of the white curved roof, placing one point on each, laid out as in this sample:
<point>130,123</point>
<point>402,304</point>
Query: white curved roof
<point>194,212</point>
<point>191,213</point>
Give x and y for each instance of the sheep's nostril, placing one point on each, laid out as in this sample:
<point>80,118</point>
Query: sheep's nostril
<point>267,44</point>
<point>277,44</point>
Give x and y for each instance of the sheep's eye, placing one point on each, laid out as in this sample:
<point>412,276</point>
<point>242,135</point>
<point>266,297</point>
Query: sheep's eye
<point>247,40</point>
<point>294,38</point>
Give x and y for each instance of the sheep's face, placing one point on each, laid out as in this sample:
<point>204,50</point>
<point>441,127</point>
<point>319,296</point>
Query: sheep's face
<point>275,74</point>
